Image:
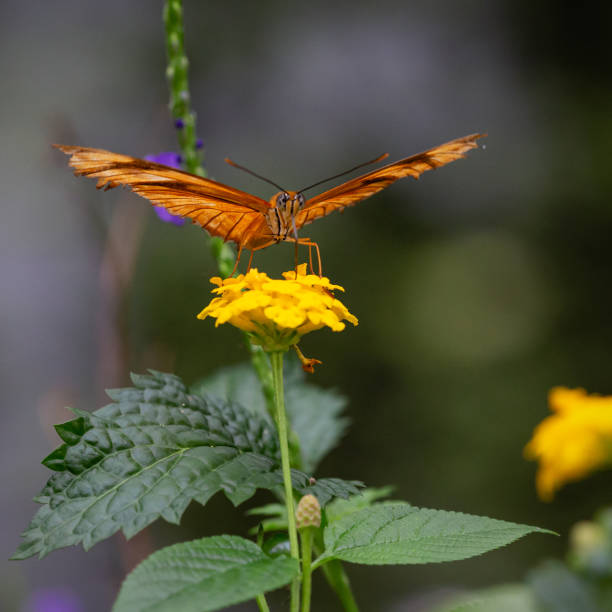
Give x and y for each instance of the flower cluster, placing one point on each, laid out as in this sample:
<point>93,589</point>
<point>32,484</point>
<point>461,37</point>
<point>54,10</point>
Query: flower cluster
<point>574,441</point>
<point>277,313</point>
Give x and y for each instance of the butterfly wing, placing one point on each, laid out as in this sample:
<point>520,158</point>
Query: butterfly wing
<point>364,186</point>
<point>221,210</point>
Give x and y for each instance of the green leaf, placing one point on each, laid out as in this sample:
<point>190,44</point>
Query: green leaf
<point>314,413</point>
<point>340,508</point>
<point>315,416</point>
<point>395,532</point>
<point>235,384</point>
<point>203,575</point>
<point>268,510</point>
<point>325,489</point>
<point>276,518</point>
<point>146,456</point>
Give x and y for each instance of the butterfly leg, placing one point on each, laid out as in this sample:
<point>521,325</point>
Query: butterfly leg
<point>237,261</point>
<point>316,246</point>
<point>250,260</point>
<point>309,243</point>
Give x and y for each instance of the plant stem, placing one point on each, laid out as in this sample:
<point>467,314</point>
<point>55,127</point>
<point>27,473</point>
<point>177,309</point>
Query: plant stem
<point>306,538</point>
<point>276,360</point>
<point>338,580</point>
<point>262,603</point>
<point>184,117</point>
<point>176,73</point>
<point>261,364</point>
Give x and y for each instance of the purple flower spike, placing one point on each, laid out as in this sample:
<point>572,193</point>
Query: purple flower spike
<point>172,159</point>
<point>199,143</point>
<point>179,124</point>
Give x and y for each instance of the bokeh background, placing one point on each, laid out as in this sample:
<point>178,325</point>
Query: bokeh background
<point>478,287</point>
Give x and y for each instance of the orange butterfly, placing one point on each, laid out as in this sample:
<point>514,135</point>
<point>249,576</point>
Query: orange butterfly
<point>249,221</point>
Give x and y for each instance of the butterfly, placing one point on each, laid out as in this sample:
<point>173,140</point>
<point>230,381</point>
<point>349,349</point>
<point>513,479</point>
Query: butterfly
<point>234,215</point>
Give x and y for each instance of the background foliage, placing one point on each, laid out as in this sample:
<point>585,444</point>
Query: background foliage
<point>477,288</point>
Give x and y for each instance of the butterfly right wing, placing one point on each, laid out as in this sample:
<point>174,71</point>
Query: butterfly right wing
<point>221,210</point>
<point>357,189</point>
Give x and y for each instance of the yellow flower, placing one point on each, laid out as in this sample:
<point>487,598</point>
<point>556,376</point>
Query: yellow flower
<point>277,313</point>
<point>574,441</point>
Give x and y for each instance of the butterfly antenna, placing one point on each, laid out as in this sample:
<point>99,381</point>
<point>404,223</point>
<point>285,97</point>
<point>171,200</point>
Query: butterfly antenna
<point>372,161</point>
<point>263,178</point>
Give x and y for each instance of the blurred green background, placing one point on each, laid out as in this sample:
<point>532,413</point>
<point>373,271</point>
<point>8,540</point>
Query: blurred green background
<point>477,288</point>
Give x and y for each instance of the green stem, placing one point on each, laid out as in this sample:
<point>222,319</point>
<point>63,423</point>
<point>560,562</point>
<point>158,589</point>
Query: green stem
<point>261,364</point>
<point>262,603</point>
<point>336,577</point>
<point>276,359</point>
<point>306,538</point>
<point>176,73</point>
<point>338,580</point>
<point>184,117</point>
<point>180,98</point>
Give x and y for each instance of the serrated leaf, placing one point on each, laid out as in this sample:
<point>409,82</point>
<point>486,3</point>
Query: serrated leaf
<point>397,533</point>
<point>71,431</point>
<point>203,575</point>
<point>314,413</point>
<point>340,508</point>
<point>237,383</point>
<point>146,456</point>
<point>325,489</point>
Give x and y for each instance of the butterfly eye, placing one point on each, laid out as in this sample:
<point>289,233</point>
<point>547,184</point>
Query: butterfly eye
<point>282,199</point>
<point>300,200</point>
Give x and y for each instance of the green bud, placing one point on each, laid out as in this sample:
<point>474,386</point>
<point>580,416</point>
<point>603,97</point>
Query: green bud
<point>308,512</point>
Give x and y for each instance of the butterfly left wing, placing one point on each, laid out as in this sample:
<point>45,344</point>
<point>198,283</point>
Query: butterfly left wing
<point>221,210</point>
<point>364,186</point>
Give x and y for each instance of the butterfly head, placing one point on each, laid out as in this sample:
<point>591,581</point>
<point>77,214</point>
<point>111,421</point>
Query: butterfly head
<point>280,217</point>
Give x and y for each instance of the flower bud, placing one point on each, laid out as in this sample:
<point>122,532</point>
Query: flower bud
<point>308,512</point>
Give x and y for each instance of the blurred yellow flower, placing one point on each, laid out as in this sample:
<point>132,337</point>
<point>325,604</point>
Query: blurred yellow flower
<point>574,441</point>
<point>277,313</point>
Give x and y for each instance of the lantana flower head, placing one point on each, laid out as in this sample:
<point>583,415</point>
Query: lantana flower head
<point>276,313</point>
<point>574,441</point>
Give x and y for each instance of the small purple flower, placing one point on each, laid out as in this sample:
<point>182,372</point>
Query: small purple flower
<point>54,600</point>
<point>168,217</point>
<point>179,124</point>
<point>172,159</point>
<point>199,143</point>
<point>168,158</point>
